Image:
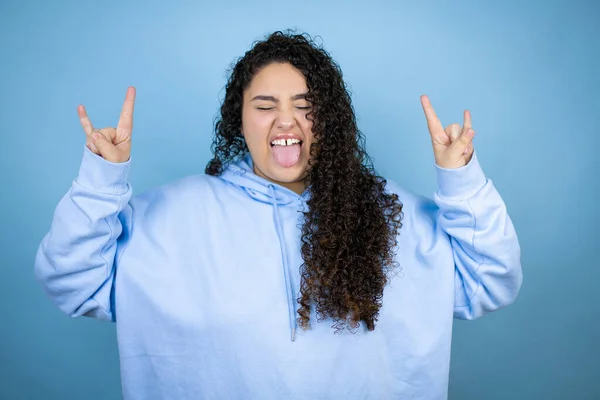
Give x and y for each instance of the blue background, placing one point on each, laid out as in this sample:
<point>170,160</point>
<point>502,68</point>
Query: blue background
<point>528,71</point>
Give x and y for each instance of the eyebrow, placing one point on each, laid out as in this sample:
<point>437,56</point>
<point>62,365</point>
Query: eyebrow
<point>301,96</point>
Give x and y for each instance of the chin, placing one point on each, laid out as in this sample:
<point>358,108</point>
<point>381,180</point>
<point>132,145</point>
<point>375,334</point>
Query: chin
<point>278,174</point>
<point>287,175</point>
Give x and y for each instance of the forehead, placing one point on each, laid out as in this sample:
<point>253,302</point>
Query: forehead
<point>278,78</point>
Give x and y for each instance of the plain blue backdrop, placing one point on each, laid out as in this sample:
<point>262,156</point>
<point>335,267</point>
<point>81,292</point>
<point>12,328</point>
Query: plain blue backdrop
<point>529,71</point>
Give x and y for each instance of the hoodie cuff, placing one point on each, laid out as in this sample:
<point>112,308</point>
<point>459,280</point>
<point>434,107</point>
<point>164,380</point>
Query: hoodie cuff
<point>100,175</point>
<point>460,183</point>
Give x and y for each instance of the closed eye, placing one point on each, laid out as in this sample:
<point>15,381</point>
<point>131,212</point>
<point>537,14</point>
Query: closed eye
<point>265,108</point>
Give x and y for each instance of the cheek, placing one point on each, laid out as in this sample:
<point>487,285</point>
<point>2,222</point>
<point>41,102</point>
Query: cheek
<point>306,127</point>
<point>255,127</point>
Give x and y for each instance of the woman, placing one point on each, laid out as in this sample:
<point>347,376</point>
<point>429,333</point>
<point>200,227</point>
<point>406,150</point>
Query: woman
<point>227,285</point>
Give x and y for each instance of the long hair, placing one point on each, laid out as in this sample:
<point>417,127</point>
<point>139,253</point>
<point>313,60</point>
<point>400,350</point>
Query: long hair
<point>351,224</point>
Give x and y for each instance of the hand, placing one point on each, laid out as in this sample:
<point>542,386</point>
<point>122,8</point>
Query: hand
<point>453,145</point>
<point>112,144</point>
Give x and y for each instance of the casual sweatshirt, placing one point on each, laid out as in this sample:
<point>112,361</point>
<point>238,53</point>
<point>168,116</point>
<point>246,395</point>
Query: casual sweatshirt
<point>201,277</point>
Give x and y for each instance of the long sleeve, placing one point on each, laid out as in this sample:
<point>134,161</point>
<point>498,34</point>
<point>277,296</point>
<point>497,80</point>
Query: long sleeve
<point>75,262</point>
<point>485,246</point>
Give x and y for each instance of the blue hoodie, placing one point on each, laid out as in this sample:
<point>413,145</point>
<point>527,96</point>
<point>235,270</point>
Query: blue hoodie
<point>201,277</point>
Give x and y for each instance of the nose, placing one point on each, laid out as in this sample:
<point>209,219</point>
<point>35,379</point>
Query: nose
<point>286,119</point>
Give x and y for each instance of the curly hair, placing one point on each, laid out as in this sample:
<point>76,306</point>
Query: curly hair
<point>351,224</point>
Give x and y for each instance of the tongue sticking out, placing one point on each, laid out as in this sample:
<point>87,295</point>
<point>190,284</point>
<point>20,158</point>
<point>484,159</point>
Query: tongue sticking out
<point>286,156</point>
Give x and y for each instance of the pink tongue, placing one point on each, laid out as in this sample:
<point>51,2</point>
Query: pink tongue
<point>286,156</point>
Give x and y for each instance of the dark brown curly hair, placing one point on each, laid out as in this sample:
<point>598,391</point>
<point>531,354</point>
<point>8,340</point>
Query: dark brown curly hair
<point>351,223</point>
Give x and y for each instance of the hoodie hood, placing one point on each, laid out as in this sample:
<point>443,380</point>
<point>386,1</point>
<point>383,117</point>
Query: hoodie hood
<point>241,174</point>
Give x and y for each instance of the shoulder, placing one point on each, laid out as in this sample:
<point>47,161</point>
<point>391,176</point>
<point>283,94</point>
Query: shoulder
<point>411,202</point>
<point>417,209</point>
<point>180,192</point>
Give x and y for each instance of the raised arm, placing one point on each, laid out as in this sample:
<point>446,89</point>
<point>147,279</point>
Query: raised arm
<point>485,246</point>
<point>76,260</point>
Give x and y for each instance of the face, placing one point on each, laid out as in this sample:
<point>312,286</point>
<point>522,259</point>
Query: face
<point>275,126</point>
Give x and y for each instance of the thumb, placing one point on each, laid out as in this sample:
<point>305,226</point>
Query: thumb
<point>462,143</point>
<point>107,150</point>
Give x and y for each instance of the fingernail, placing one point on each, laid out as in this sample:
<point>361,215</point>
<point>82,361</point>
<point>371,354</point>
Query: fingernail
<point>470,133</point>
<point>95,136</point>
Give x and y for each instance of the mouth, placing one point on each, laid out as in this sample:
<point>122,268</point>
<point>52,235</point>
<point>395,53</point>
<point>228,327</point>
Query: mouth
<point>286,142</point>
<point>286,151</point>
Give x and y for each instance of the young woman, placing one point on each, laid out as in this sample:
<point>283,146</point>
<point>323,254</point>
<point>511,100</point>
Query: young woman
<point>290,270</point>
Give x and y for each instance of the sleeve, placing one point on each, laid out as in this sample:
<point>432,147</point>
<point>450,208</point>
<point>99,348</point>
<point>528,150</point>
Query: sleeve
<point>485,246</point>
<point>75,262</point>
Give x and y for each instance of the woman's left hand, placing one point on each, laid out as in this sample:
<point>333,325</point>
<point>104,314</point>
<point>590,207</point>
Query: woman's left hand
<point>453,145</point>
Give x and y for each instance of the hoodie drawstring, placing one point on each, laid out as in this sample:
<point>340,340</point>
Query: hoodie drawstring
<point>286,273</point>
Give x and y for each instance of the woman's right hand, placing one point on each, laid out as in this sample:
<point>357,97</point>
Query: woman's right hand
<point>112,144</point>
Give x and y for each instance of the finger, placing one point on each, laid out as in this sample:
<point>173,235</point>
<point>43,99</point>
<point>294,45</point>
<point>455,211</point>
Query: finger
<point>88,128</point>
<point>125,125</point>
<point>435,126</point>
<point>110,134</point>
<point>90,142</point>
<point>90,145</point>
<point>461,145</point>
<point>84,119</point>
<point>453,131</point>
<point>467,120</point>
<point>107,150</point>
<point>468,154</point>
<point>445,138</point>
